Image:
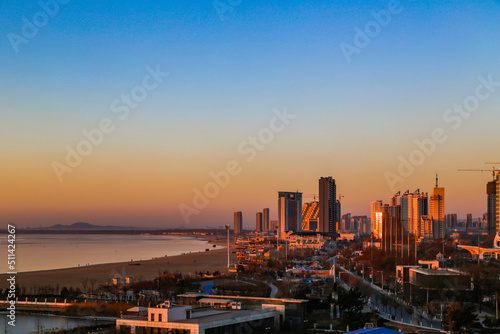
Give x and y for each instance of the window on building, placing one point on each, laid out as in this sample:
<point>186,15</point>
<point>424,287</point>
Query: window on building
<point>159,317</point>
<point>152,317</point>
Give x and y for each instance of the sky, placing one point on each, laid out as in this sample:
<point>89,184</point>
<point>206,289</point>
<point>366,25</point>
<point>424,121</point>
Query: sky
<point>176,114</point>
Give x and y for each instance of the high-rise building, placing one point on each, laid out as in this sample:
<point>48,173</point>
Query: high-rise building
<point>427,227</point>
<point>310,213</point>
<point>327,205</point>
<point>451,220</point>
<point>258,222</point>
<point>289,212</point>
<point>346,222</point>
<point>498,201</point>
<point>363,226</point>
<point>376,215</point>
<point>469,221</point>
<point>393,232</point>
<point>406,203</point>
<point>413,207</point>
<point>436,206</point>
<point>338,213</point>
<point>420,208</point>
<point>354,224</point>
<point>265,220</point>
<point>238,222</point>
<point>491,191</point>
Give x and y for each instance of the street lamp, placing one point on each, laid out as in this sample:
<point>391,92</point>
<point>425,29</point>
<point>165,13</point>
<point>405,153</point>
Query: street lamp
<point>381,271</point>
<point>341,272</point>
<point>227,229</point>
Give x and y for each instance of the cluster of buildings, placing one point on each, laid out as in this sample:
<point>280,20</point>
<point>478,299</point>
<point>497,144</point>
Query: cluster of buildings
<point>407,216</point>
<point>434,281</point>
<point>321,216</point>
<point>410,214</point>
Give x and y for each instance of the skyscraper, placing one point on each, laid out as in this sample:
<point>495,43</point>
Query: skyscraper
<point>346,222</point>
<point>413,207</point>
<point>469,224</point>
<point>265,220</point>
<point>376,222</point>
<point>238,222</point>
<point>258,222</point>
<point>289,212</point>
<point>420,209</point>
<point>436,206</point>
<point>392,229</point>
<point>327,205</point>
<point>338,214</point>
<point>451,220</point>
<point>498,201</point>
<point>491,191</point>
<point>427,227</point>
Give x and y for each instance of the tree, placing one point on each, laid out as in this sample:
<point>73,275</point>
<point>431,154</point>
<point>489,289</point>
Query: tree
<point>64,293</point>
<point>84,281</point>
<point>351,303</point>
<point>460,319</point>
<point>431,309</point>
<point>93,281</point>
<point>351,300</point>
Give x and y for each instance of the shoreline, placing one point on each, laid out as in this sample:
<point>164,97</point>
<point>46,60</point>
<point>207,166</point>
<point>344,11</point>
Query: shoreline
<point>141,270</point>
<point>208,241</point>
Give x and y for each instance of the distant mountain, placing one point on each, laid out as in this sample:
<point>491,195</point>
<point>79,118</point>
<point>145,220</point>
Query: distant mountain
<point>86,226</point>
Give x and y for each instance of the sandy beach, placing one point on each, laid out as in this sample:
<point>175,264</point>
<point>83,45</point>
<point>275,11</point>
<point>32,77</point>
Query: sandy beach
<point>141,270</point>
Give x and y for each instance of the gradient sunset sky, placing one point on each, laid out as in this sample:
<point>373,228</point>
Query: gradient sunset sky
<point>226,78</point>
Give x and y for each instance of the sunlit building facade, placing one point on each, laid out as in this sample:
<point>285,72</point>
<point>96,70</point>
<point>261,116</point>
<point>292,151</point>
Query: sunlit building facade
<point>498,202</point>
<point>436,210</point>
<point>376,218</point>
<point>289,212</point>
<point>265,220</point>
<point>238,222</point>
<point>310,216</point>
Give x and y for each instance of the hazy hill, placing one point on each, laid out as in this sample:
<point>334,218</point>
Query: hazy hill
<point>86,226</point>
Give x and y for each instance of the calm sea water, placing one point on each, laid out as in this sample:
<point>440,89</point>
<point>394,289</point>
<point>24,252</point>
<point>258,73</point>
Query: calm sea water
<point>28,323</point>
<point>55,251</point>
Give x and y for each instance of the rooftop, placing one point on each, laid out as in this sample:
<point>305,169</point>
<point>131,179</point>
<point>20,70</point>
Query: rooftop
<point>375,331</point>
<point>439,272</point>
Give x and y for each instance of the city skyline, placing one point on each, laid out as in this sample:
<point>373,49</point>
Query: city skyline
<point>122,115</point>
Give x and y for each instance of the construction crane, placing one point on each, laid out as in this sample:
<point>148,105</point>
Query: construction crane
<point>493,170</point>
<point>311,195</point>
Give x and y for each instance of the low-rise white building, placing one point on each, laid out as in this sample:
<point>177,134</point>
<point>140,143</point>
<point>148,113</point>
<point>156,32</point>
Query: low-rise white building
<point>167,318</point>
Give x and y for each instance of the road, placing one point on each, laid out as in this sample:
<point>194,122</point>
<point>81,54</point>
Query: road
<point>398,313</point>
<point>274,290</point>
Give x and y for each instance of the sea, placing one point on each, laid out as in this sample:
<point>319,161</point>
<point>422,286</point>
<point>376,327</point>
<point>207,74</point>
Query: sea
<point>35,252</point>
<point>37,323</point>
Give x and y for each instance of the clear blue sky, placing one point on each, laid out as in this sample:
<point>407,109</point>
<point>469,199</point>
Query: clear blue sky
<point>225,77</point>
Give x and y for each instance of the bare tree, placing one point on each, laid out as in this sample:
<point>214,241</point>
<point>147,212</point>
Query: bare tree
<point>84,281</point>
<point>93,281</point>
